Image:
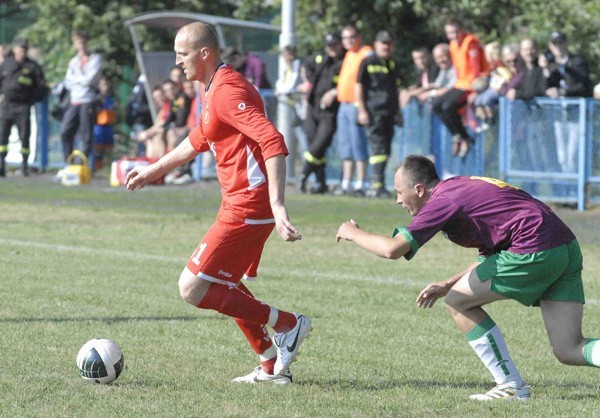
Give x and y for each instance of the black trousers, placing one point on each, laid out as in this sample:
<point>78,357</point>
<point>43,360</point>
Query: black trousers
<point>447,106</point>
<point>379,133</point>
<point>320,127</point>
<point>15,114</point>
<point>78,119</point>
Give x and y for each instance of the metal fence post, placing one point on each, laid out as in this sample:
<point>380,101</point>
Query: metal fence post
<point>583,151</point>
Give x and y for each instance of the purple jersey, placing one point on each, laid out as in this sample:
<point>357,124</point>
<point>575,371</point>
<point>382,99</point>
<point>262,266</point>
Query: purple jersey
<point>487,214</point>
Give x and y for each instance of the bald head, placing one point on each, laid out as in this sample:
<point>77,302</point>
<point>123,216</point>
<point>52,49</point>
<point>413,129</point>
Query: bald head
<point>441,56</point>
<point>200,35</point>
<point>197,51</point>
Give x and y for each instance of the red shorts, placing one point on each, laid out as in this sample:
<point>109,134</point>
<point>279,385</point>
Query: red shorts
<point>231,249</point>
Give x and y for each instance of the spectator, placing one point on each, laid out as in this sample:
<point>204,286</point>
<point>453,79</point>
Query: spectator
<point>178,130</point>
<point>427,71</point>
<point>377,96</point>
<point>446,75</point>
<point>469,63</point>
<point>155,136</point>
<point>82,77</point>
<point>351,136</point>
<point>505,75</point>
<point>533,83</point>
<point>104,136</point>
<point>251,66</point>
<point>289,105</point>
<point>176,74</point>
<point>22,83</point>
<point>568,76</point>
<point>137,112</point>
<point>531,150</point>
<point>322,71</point>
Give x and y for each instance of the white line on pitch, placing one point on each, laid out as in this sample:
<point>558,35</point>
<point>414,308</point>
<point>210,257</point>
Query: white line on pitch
<point>180,260</point>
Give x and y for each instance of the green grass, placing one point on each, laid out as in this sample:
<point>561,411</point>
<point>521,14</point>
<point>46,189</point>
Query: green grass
<point>89,262</point>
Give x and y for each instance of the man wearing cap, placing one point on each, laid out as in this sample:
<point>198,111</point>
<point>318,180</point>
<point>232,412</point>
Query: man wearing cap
<point>568,76</point>
<point>321,71</point>
<point>22,84</point>
<point>377,95</point>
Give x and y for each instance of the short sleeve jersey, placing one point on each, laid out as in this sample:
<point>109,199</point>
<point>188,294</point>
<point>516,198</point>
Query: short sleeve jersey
<point>487,214</point>
<point>234,127</point>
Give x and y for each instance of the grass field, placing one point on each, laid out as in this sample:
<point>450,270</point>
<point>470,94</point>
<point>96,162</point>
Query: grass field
<point>92,262</point>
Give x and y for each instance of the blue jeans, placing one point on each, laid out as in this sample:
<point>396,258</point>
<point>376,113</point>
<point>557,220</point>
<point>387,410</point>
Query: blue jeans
<point>352,139</point>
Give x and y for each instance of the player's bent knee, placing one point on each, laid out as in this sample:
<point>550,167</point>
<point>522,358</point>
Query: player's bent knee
<point>191,288</point>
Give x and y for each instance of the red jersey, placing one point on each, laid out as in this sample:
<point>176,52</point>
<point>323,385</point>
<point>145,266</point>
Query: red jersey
<point>234,127</point>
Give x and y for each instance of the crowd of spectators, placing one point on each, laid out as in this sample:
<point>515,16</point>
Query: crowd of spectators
<point>349,87</point>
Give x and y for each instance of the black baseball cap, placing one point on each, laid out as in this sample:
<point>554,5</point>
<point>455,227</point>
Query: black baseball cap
<point>332,38</point>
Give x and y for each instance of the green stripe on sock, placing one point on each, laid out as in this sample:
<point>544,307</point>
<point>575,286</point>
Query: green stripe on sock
<point>501,361</point>
<point>480,329</point>
<point>587,351</point>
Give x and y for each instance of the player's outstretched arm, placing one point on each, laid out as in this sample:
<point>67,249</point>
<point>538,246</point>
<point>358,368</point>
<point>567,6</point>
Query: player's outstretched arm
<point>140,176</point>
<point>276,175</point>
<point>380,245</point>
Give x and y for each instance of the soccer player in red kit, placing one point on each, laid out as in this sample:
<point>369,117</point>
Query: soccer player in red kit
<point>250,155</point>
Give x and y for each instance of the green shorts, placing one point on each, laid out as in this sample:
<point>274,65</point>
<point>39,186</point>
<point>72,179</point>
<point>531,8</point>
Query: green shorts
<point>553,274</point>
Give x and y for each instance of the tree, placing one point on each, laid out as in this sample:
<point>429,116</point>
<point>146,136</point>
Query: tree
<point>103,20</point>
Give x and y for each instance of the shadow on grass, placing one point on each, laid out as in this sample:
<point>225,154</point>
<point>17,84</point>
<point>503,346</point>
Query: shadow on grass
<point>433,384</point>
<point>107,319</point>
<point>388,384</point>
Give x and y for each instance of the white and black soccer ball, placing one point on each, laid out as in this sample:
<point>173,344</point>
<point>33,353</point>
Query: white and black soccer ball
<point>100,360</point>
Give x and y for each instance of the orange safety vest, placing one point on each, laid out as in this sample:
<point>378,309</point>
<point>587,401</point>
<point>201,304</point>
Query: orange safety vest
<point>469,61</point>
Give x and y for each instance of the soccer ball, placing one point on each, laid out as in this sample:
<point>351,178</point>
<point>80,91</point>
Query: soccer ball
<point>100,361</point>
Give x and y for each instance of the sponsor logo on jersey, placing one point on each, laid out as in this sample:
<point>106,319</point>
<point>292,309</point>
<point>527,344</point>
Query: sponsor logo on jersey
<point>224,273</point>
<point>242,106</point>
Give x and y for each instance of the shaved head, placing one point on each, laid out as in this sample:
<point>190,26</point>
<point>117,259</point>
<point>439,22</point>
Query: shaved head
<point>200,35</point>
<point>197,51</point>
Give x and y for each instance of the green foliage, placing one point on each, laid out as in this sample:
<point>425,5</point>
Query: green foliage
<point>412,23</point>
<point>103,20</point>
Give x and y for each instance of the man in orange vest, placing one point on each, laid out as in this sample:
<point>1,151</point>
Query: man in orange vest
<point>469,62</point>
<point>352,138</point>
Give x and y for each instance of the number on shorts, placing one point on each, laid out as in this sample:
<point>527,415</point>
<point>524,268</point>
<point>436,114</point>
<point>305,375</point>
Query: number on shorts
<point>198,253</point>
<point>495,182</point>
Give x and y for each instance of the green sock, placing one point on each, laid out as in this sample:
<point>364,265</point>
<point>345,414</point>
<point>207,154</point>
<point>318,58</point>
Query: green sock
<point>591,352</point>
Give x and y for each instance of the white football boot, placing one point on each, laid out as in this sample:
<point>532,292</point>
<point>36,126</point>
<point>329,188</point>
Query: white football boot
<point>504,393</point>
<point>258,376</point>
<point>288,343</point>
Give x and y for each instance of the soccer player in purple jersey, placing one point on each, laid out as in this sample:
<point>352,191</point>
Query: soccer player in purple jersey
<point>526,253</point>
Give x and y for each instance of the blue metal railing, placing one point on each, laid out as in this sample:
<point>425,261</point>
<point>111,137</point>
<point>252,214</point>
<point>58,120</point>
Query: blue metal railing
<point>547,147</point>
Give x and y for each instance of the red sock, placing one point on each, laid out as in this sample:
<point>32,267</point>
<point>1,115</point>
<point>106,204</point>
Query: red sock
<point>256,334</point>
<point>233,302</point>
<point>285,322</point>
